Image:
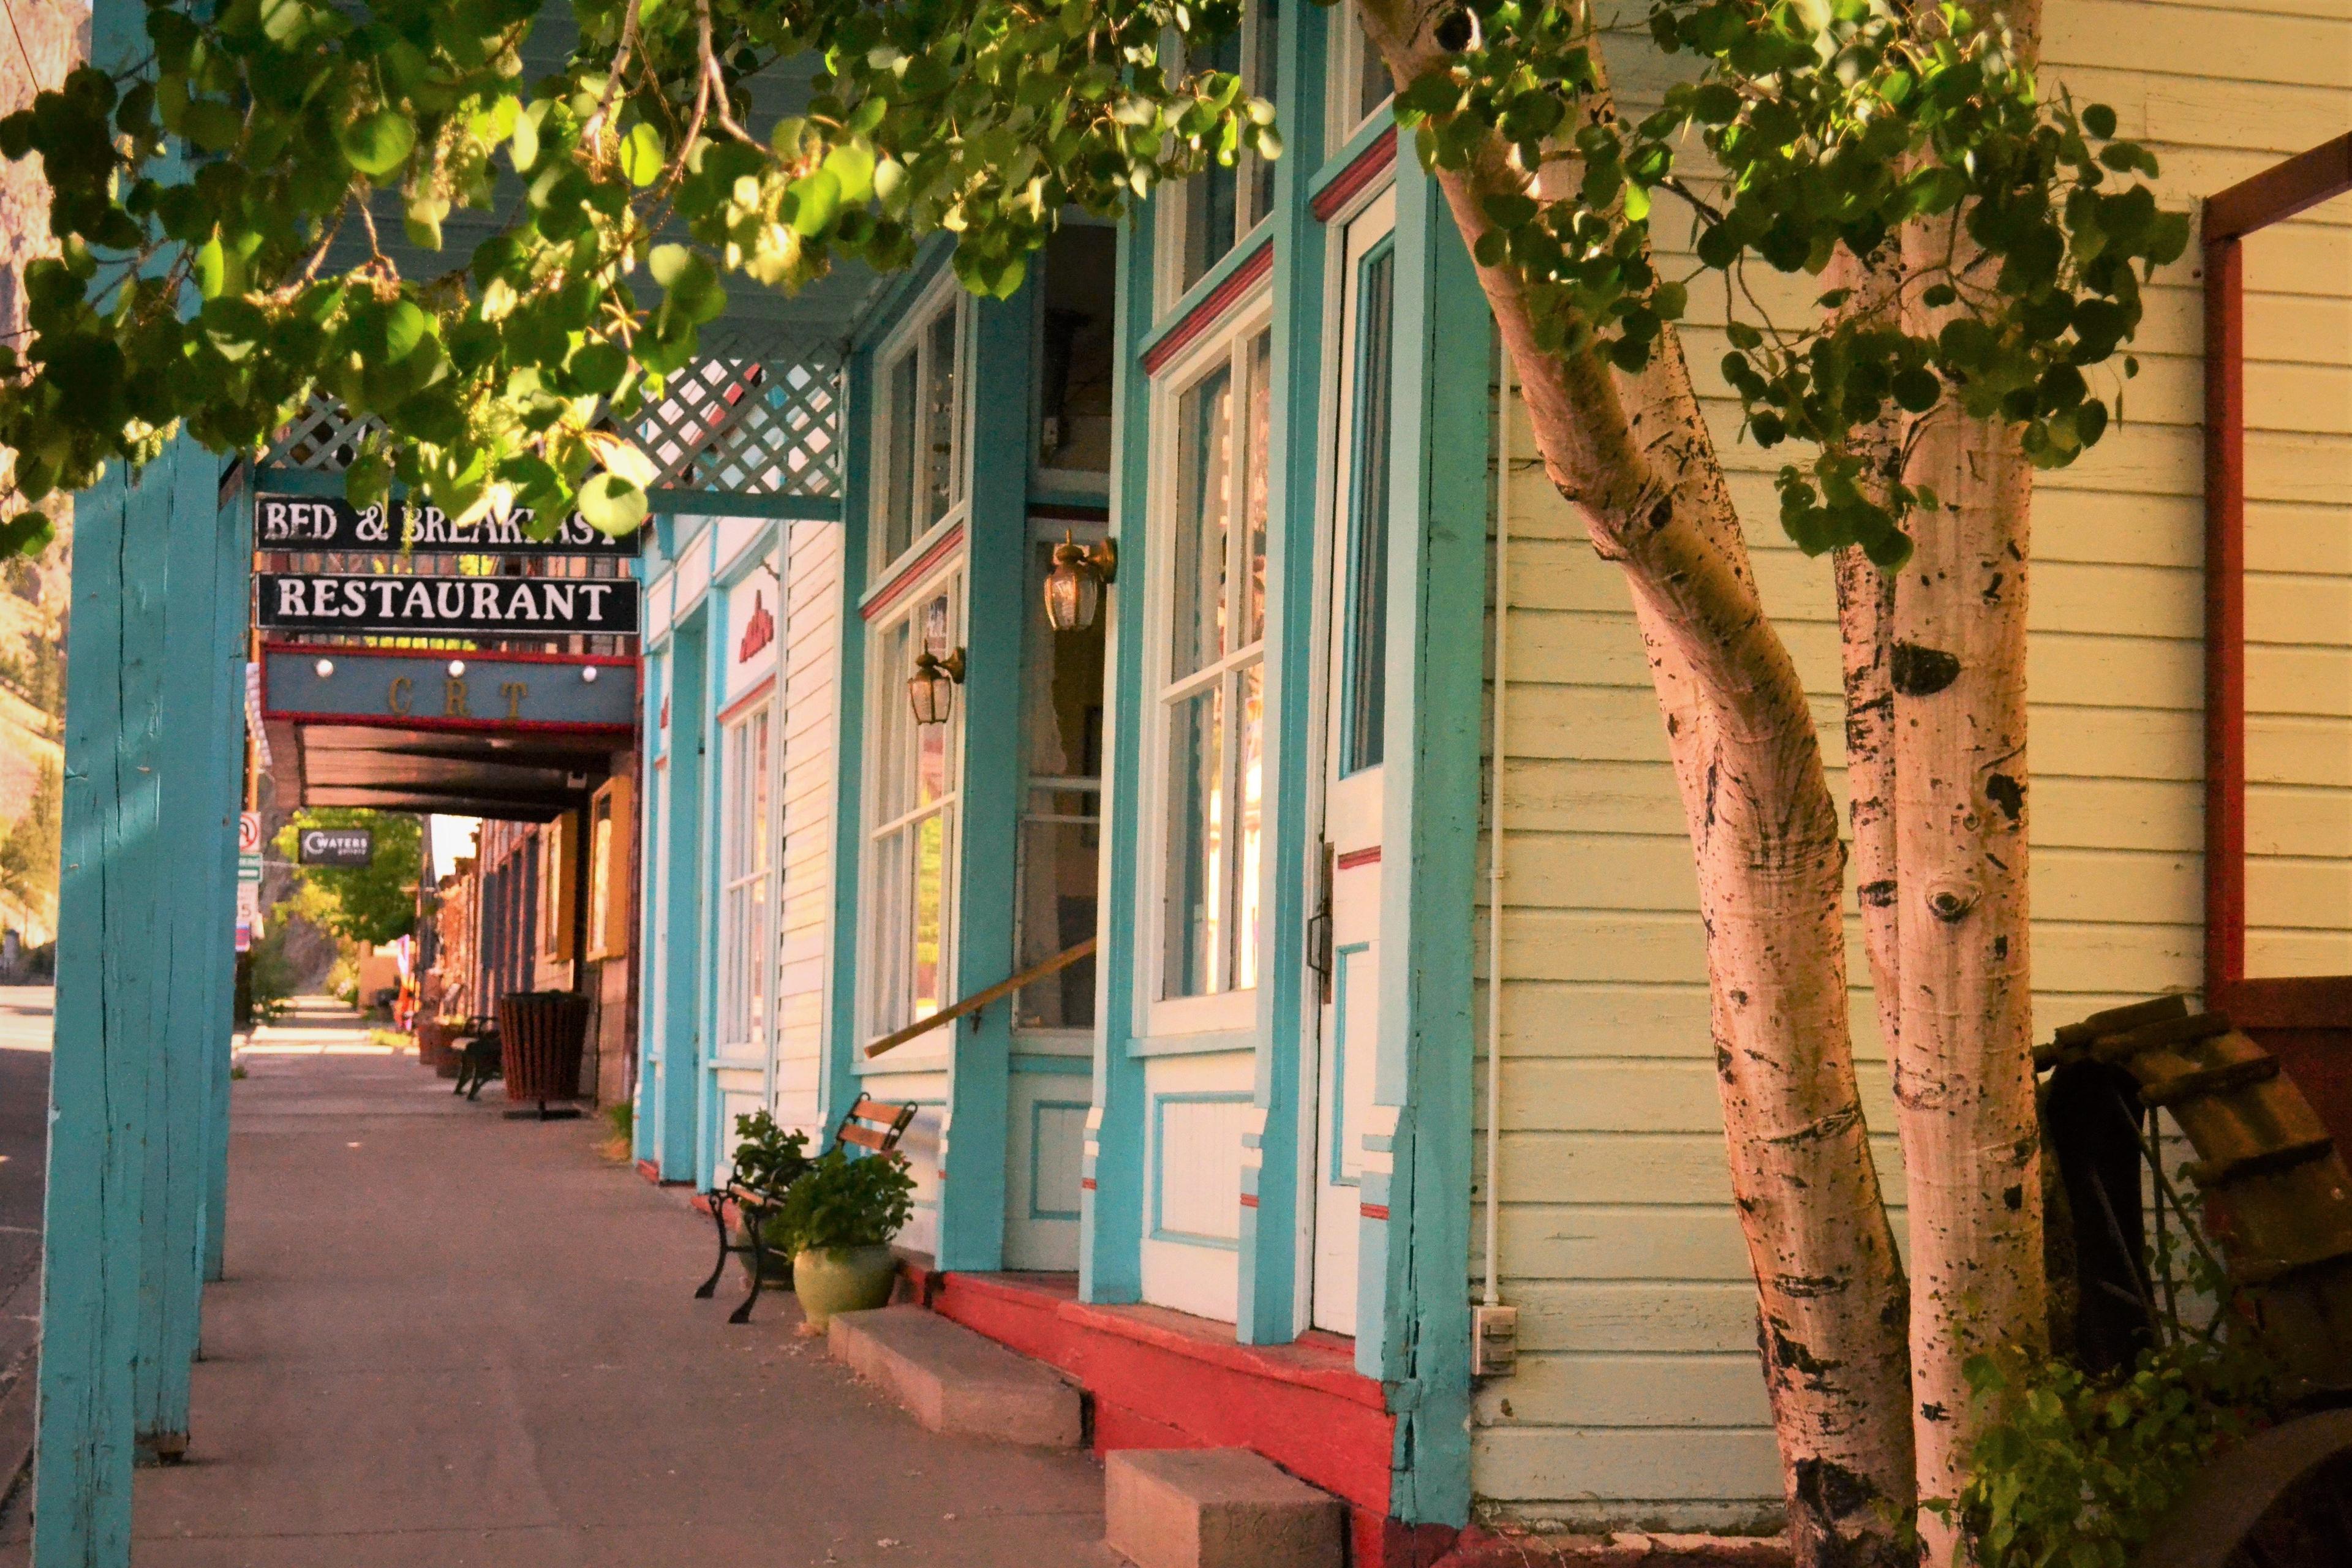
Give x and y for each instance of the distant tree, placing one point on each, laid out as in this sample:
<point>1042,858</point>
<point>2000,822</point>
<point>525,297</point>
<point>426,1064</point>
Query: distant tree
<point>373,903</point>
<point>28,855</point>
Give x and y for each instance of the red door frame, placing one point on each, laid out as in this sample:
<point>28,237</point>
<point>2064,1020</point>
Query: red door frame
<point>2271,196</point>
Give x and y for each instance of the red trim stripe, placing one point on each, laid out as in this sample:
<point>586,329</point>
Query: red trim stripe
<point>896,588</point>
<point>1369,856</point>
<point>1370,163</point>
<point>745,703</point>
<point>1376,1211</point>
<point>1206,314</point>
<point>1249,1200</point>
<point>1086,1183</point>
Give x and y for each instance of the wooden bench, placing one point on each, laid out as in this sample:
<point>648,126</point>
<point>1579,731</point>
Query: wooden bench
<point>478,1056</point>
<point>871,1124</point>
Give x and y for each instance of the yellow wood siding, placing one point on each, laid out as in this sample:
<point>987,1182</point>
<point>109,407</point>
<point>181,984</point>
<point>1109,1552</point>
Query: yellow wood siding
<point>1638,1399</point>
<point>810,717</point>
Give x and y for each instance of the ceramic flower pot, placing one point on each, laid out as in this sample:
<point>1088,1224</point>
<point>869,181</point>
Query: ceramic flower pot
<point>842,1279</point>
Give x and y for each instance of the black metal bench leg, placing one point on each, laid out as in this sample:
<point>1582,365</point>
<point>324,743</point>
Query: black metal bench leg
<point>754,1222</point>
<point>719,1218</point>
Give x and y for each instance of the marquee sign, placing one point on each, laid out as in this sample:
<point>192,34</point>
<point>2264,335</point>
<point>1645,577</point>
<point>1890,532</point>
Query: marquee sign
<point>331,522</point>
<point>409,691</point>
<point>444,606</point>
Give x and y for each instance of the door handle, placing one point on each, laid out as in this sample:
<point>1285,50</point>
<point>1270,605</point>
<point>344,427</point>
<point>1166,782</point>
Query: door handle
<point>1318,929</point>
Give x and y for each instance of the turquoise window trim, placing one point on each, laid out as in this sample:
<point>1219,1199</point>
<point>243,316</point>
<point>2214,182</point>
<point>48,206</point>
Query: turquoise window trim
<point>1028,1063</point>
<point>1037,1144</point>
<point>895,297</point>
<point>1244,252</point>
<point>1358,142</point>
<point>1160,1104</point>
<point>677,1118</point>
<point>718,637</point>
<point>1337,1174</point>
<point>1351,528</point>
<point>1269,1287</point>
<point>1207,1043</point>
<point>1050,487</point>
<point>712,504</point>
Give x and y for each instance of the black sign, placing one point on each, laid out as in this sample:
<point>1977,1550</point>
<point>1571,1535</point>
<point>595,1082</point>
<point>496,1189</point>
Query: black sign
<point>439,606</point>
<point>331,522</point>
<point>335,845</point>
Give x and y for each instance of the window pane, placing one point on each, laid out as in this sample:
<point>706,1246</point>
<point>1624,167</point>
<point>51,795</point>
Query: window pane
<point>1363,720</point>
<point>1056,913</point>
<point>931,916</point>
<point>894,659</point>
<point>1265,83</point>
<point>1256,481</point>
<point>1194,903</point>
<point>903,414</point>
<point>755,960</point>
<point>886,953</point>
<point>1211,197</point>
<point>757,792</point>
<point>1062,690</point>
<point>1249,750</point>
<point>1204,483</point>
<point>1374,86</point>
<point>942,426</point>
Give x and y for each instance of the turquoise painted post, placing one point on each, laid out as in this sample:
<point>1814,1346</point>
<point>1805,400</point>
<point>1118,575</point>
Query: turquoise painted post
<point>1267,1312</point>
<point>653,862</point>
<point>1437,588</point>
<point>117,899</point>
<point>715,637</point>
<point>678,1115</point>
<point>194,932</point>
<point>971,1202</point>
<point>838,1077</point>
<point>1110,1184</point>
<point>229,647</point>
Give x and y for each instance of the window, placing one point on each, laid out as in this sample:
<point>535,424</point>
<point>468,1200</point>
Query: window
<point>921,436</point>
<point>609,832</point>
<point>557,851</point>
<point>1212,211</point>
<point>745,856</point>
<point>1210,705</point>
<point>1078,341</point>
<point>1363,720</point>
<point>911,820</point>
<point>1061,817</point>
<point>1360,79</point>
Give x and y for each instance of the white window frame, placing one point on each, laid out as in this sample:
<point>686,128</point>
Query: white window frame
<point>1232,1009</point>
<point>1176,203</point>
<point>888,686</point>
<point>912,336</point>
<point>747,946</point>
<point>1348,56</point>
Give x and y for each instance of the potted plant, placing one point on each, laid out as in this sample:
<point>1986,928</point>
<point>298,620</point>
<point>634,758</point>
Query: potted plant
<point>768,1161</point>
<point>841,1215</point>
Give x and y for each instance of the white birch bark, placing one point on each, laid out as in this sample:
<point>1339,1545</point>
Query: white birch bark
<point>1633,455</point>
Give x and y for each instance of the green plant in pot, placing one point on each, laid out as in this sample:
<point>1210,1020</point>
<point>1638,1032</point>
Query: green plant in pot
<point>841,1215</point>
<point>769,1160</point>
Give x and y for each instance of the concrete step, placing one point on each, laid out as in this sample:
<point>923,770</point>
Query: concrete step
<point>954,1380</point>
<point>1217,1508</point>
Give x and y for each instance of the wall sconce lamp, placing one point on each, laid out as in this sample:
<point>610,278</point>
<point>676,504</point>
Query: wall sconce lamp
<point>1074,587</point>
<point>931,688</point>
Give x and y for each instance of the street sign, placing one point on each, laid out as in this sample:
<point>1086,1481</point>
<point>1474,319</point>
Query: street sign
<point>442,606</point>
<point>331,522</point>
<point>335,845</point>
<point>248,867</point>
<point>248,832</point>
<point>248,902</point>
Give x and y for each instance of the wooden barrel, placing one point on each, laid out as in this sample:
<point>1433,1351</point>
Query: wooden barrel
<point>541,1037</point>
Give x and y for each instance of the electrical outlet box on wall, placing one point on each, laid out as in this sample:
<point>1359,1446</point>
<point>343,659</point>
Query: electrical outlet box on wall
<point>1494,1341</point>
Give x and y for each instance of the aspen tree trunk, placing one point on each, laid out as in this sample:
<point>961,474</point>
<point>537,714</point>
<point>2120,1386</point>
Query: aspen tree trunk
<point>1964,1084</point>
<point>1633,455</point>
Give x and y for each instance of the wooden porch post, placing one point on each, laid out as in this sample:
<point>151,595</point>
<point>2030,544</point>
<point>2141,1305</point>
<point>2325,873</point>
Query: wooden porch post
<point>119,898</point>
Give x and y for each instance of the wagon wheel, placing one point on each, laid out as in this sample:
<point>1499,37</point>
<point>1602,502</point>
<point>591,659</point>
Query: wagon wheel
<point>2281,1500</point>
<point>2274,1183</point>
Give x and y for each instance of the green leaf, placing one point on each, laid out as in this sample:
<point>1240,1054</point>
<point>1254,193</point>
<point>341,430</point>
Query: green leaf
<point>376,144</point>
<point>2099,120</point>
<point>643,156</point>
<point>611,505</point>
<point>811,201</point>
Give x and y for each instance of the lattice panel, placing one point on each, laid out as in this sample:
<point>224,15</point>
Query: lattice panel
<point>745,428</point>
<point>767,426</point>
<point>322,438</point>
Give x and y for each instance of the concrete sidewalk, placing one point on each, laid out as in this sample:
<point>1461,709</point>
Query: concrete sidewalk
<point>450,1339</point>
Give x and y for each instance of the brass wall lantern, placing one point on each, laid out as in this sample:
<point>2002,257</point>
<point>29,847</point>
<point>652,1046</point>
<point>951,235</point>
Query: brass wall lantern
<point>931,688</point>
<point>1074,587</point>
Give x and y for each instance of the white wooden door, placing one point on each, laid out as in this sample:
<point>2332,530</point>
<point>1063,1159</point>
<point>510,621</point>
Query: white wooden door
<point>1344,944</point>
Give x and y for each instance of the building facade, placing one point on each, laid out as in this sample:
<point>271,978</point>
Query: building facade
<point>1397,999</point>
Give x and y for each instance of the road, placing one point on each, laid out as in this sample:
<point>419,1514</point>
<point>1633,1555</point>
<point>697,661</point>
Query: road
<point>25,1014</point>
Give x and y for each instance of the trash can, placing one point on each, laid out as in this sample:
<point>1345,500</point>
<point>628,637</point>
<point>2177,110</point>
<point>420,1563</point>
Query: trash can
<point>542,1034</point>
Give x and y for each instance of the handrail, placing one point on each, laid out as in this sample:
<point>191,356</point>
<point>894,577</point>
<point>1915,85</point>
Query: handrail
<point>974,1002</point>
